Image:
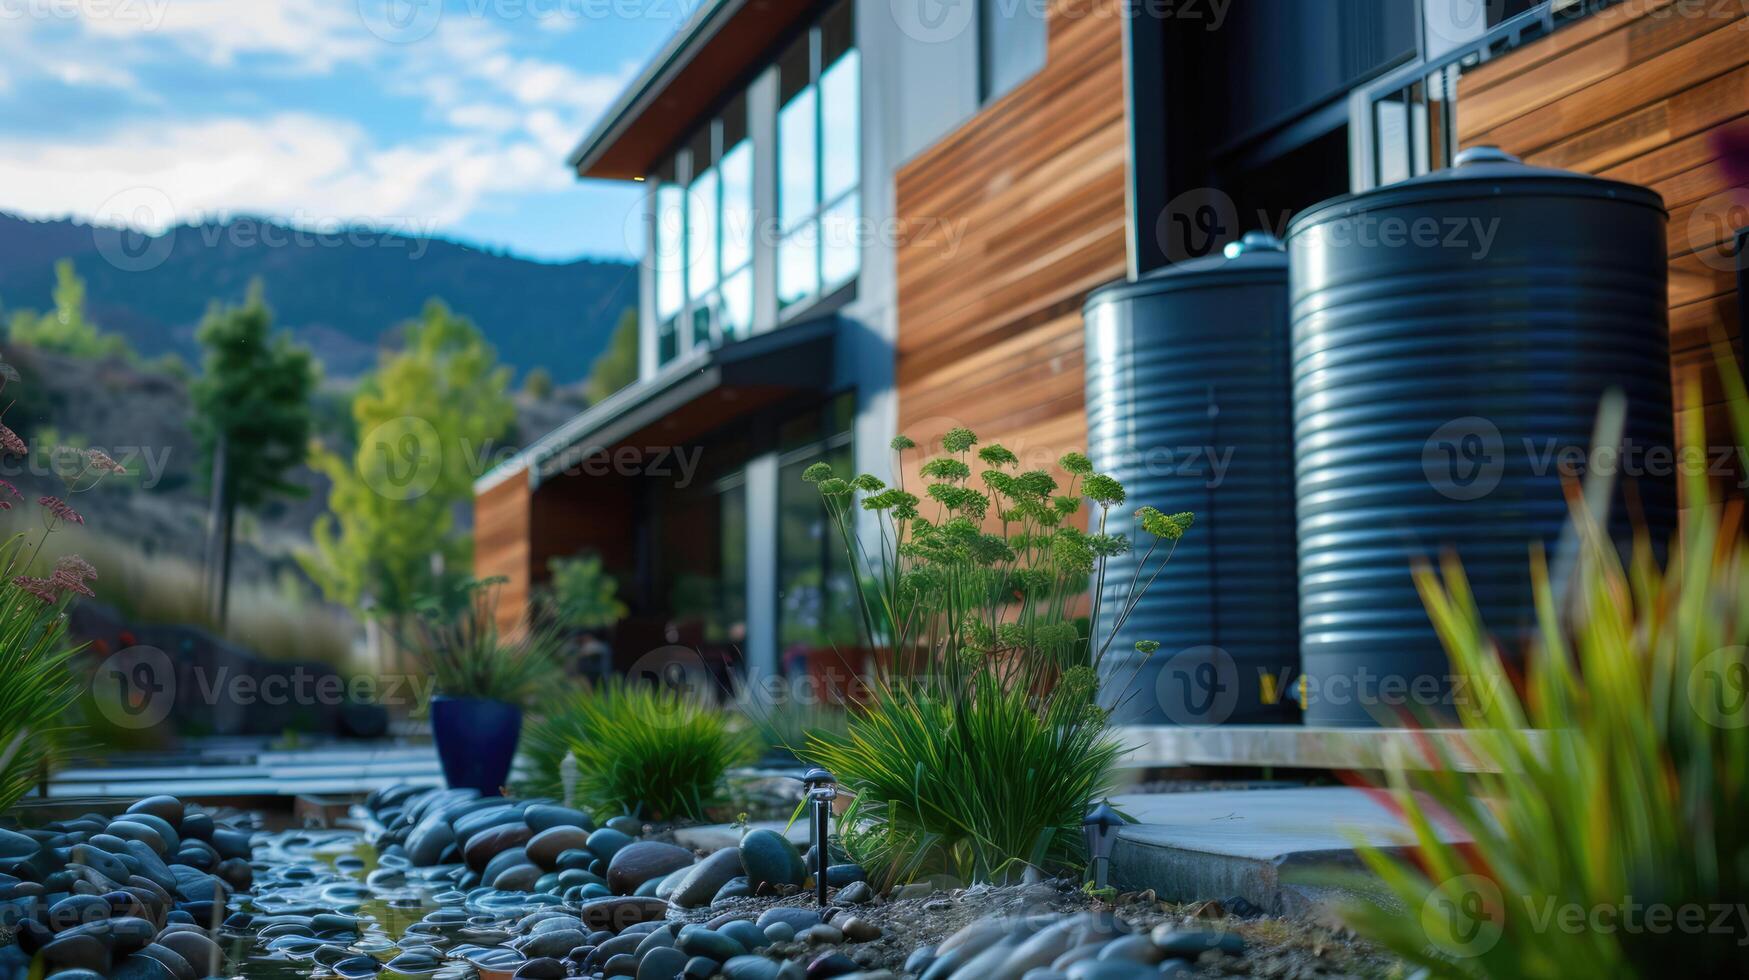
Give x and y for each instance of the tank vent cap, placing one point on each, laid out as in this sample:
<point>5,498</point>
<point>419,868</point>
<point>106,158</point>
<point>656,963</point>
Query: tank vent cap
<point>1254,241</point>
<point>1482,154</point>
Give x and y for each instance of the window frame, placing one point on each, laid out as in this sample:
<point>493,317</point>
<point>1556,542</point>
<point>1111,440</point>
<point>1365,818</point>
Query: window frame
<point>678,334</point>
<point>812,219</point>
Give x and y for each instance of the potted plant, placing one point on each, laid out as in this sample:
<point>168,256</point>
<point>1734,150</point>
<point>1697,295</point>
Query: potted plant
<point>483,676</point>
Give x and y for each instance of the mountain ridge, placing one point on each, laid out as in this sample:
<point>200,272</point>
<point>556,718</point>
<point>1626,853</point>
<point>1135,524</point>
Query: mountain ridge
<point>342,292</point>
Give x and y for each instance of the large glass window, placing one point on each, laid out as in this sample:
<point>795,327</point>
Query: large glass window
<point>704,238</point>
<point>819,159</point>
<point>1011,45</point>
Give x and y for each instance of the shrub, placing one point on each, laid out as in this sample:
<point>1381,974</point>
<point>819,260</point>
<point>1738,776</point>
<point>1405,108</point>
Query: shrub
<point>470,656</point>
<point>979,752</point>
<point>582,594</point>
<point>657,752</point>
<point>1634,794</point>
<point>38,687</point>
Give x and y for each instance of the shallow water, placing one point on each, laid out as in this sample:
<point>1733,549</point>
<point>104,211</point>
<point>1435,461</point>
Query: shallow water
<point>404,912</point>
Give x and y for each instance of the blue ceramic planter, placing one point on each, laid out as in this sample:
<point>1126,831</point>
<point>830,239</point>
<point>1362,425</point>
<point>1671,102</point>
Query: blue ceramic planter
<point>476,741</point>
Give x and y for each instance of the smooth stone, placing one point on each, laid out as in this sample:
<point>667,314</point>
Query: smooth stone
<point>745,933</point>
<point>553,942</point>
<point>109,865</point>
<point>706,878</point>
<point>779,932</point>
<point>769,859</point>
<point>1177,969</point>
<point>521,878</point>
<point>545,847</point>
<point>855,893</point>
<point>842,875</point>
<point>662,935</point>
<point>1044,973</point>
<point>141,967</point>
<point>357,967</point>
<point>822,934</point>
<point>78,909</point>
<point>1039,950</point>
<point>606,842</point>
<point>577,859</point>
<point>627,824</point>
<point>857,930</point>
<point>1137,949</point>
<point>750,968</point>
<point>489,843</point>
<point>197,826</point>
<point>14,845</point>
<point>206,956</point>
<point>137,831</point>
<point>696,940</point>
<point>469,825</point>
<point>425,845</point>
<point>542,968</point>
<point>797,919</point>
<point>546,816</point>
<point>700,968</point>
<point>919,959</point>
<point>670,881</point>
<point>171,960</point>
<point>831,964</point>
<point>736,887</point>
<point>623,965</point>
<point>172,840</point>
<point>1120,969</point>
<point>617,913</point>
<point>1189,944</point>
<point>233,844</point>
<point>635,863</point>
<point>661,963</point>
<point>77,952</point>
<point>503,861</point>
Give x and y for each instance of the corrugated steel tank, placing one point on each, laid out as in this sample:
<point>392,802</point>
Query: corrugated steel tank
<point>1188,405</point>
<point>1453,336</point>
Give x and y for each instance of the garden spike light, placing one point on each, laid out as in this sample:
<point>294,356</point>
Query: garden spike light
<point>820,788</point>
<point>1100,825</point>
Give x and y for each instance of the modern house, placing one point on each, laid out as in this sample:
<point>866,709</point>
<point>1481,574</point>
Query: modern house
<point>867,217</point>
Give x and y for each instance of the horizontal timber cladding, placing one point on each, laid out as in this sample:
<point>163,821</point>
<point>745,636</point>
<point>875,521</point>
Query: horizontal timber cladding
<point>502,526</point>
<point>1639,92</point>
<point>1019,213</point>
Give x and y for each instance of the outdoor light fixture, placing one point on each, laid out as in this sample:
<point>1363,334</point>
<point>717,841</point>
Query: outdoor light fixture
<point>1100,825</point>
<point>820,788</point>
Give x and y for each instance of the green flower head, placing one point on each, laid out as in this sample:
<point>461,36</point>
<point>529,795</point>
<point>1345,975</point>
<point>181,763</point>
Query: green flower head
<point>1162,526</point>
<point>946,468</point>
<point>817,472</point>
<point>1103,490</point>
<point>869,483</point>
<point>958,440</point>
<point>1072,554</point>
<point>834,487</point>
<point>1075,463</point>
<point>902,443</point>
<point>1147,646</point>
<point>1079,682</point>
<point>996,454</point>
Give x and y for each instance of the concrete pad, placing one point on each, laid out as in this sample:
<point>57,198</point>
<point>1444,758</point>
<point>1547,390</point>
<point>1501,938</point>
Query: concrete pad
<point>1258,845</point>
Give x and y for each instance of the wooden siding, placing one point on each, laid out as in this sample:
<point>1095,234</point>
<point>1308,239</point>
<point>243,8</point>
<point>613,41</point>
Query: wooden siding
<point>1017,214</point>
<point>1639,92</point>
<point>502,539</point>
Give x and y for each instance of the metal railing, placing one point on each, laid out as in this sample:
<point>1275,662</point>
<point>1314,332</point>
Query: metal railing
<point>1404,123</point>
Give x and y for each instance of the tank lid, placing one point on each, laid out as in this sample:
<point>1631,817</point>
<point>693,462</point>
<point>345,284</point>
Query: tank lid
<point>1478,171</point>
<point>1257,256</point>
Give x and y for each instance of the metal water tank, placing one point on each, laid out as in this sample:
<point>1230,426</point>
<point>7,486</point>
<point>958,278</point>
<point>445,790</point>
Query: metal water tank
<point>1188,405</point>
<point>1453,337</point>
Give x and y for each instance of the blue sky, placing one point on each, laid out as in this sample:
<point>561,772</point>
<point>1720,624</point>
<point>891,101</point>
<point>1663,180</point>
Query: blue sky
<point>448,117</point>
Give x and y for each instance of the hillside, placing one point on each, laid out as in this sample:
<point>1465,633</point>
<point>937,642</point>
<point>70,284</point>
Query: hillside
<point>339,294</point>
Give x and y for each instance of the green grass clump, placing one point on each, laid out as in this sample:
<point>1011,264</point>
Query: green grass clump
<point>979,786</point>
<point>470,655</point>
<point>651,751</point>
<point>1613,841</point>
<point>36,685</point>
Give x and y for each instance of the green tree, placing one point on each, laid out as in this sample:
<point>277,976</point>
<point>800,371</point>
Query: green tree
<point>538,383</point>
<point>252,417</point>
<point>617,366</point>
<point>424,420</point>
<point>65,329</point>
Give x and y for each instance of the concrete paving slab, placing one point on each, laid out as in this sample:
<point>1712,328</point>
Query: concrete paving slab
<point>1258,845</point>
